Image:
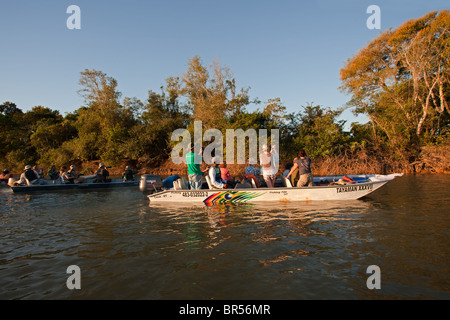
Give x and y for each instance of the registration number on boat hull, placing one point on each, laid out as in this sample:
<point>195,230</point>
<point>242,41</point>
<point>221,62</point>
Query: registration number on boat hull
<point>195,194</point>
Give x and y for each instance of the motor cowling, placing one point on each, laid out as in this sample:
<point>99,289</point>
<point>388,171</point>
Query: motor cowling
<point>150,183</point>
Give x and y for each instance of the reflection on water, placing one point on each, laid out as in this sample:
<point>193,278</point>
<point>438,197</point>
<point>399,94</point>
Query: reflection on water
<point>128,249</point>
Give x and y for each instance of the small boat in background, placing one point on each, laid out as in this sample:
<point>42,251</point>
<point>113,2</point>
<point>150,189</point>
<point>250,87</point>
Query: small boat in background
<point>50,187</point>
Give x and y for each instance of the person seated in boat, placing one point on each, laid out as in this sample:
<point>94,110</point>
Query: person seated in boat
<point>53,174</point>
<point>294,175</point>
<point>64,176</point>
<point>102,174</point>
<point>247,178</point>
<point>226,176</point>
<point>71,176</point>
<point>287,168</point>
<point>28,177</point>
<point>5,175</point>
<point>253,170</point>
<point>215,176</point>
<point>39,172</point>
<point>128,174</point>
<point>303,164</point>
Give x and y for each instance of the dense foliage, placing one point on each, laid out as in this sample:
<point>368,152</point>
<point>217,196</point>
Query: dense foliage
<point>401,81</point>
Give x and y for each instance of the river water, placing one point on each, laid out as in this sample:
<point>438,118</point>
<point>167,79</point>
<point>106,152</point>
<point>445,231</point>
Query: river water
<point>126,248</point>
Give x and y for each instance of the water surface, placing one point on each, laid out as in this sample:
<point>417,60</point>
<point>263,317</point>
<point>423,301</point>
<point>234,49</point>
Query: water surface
<point>129,249</point>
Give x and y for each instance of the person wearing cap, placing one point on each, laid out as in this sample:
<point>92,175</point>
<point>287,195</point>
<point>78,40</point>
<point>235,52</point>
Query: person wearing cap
<point>4,177</point>
<point>215,175</point>
<point>102,174</point>
<point>28,177</point>
<point>195,173</point>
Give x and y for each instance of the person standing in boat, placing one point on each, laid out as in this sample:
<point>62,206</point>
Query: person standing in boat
<point>102,174</point>
<point>195,173</point>
<point>303,164</point>
<point>268,168</point>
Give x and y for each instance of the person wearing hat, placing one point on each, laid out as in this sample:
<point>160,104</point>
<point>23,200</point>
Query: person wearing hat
<point>102,174</point>
<point>28,177</point>
<point>4,177</point>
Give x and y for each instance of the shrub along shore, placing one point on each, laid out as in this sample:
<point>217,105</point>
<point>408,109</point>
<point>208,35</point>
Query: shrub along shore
<point>435,161</point>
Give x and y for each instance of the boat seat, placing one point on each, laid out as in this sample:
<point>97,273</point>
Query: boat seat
<point>286,183</point>
<point>183,183</point>
<point>177,184</point>
<point>245,185</point>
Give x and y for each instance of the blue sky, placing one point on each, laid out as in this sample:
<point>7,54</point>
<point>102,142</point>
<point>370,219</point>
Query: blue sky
<point>287,49</point>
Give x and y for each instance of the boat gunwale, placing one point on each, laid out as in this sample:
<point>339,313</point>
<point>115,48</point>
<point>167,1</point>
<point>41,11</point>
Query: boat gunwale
<point>269,189</point>
<point>73,187</point>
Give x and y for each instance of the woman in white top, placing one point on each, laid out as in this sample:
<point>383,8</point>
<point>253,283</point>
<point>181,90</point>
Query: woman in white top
<point>268,168</point>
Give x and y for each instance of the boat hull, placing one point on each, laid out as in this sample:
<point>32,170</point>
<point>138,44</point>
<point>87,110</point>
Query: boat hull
<point>74,187</point>
<point>212,197</point>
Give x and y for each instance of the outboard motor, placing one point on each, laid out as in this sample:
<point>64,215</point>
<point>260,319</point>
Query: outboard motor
<point>150,183</point>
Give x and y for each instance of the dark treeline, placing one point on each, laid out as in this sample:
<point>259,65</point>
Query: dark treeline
<point>400,80</point>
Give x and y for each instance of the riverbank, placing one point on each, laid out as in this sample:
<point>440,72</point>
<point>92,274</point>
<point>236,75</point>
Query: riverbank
<point>432,160</point>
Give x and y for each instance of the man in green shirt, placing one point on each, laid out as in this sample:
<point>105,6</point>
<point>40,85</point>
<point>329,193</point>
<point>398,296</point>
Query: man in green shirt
<point>195,174</point>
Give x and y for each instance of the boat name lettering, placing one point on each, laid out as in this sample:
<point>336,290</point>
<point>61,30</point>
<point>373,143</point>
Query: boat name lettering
<point>195,194</point>
<point>354,188</point>
<point>278,192</point>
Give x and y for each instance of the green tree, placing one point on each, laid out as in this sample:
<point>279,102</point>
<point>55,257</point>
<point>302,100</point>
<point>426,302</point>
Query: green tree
<point>162,114</point>
<point>401,81</point>
<point>212,98</point>
<point>317,131</point>
<point>104,125</point>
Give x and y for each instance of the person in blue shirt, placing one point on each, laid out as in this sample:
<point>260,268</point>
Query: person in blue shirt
<point>168,182</point>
